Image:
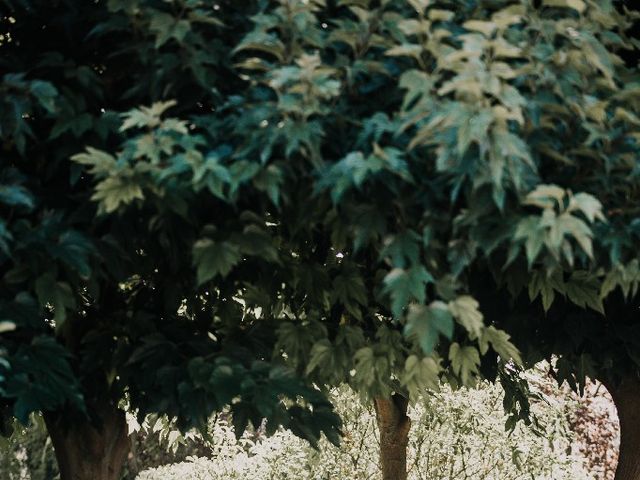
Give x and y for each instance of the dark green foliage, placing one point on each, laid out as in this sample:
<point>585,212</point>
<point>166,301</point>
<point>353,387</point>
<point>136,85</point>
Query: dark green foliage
<point>204,205</point>
<point>28,449</point>
<point>99,302</point>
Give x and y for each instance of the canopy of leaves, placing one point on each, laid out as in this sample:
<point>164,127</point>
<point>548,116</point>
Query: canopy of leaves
<point>356,176</point>
<point>101,298</point>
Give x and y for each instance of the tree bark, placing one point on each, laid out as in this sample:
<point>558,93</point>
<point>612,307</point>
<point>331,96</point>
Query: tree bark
<point>88,450</point>
<point>394,426</point>
<point>626,396</point>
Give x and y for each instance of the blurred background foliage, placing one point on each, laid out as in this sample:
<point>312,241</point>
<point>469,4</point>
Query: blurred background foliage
<point>456,435</point>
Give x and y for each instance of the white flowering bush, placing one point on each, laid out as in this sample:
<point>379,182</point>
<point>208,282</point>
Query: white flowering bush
<point>455,436</point>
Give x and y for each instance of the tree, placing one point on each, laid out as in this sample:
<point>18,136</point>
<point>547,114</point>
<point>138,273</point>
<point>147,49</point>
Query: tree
<point>177,177</point>
<point>496,148</point>
<point>549,246</point>
<point>532,118</point>
<point>363,176</point>
<point>100,307</point>
<point>362,259</point>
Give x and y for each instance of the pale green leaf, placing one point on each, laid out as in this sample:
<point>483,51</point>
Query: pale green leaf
<point>426,324</point>
<point>501,344</point>
<point>464,361</point>
<point>577,5</point>
<point>465,310</point>
<point>420,375</point>
<point>482,26</point>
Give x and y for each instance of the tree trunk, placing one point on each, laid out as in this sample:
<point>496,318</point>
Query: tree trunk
<point>626,397</point>
<point>393,425</point>
<point>133,463</point>
<point>90,450</point>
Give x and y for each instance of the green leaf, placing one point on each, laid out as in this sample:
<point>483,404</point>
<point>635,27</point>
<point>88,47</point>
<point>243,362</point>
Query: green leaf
<point>350,290</point>
<point>58,295</point>
<point>256,241</point>
<point>598,55</point>
<point>426,324</point>
<point>501,344</point>
<point>149,117</point>
<point>262,42</point>
<point>627,277</point>
<point>15,195</point>
<point>546,196</point>
<point>45,93</point>
<point>6,326</point>
<point>420,375</point>
<point>464,361</point>
<point>583,289</point>
<point>115,191</point>
<point>465,310</point>
<point>166,26</point>
<point>42,379</point>
<point>214,258</point>
<point>403,249</point>
<point>530,230</point>
<point>542,284</point>
<point>419,5</point>
<point>321,356</point>
<point>403,285</point>
<point>587,204</point>
<point>365,366</point>
<point>270,180</point>
<point>406,50</point>
<point>482,26</point>
<point>577,5</point>
<point>102,163</point>
<point>436,15</point>
<point>579,230</point>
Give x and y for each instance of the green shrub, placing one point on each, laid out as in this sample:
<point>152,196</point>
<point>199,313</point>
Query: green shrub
<point>28,453</point>
<point>456,435</point>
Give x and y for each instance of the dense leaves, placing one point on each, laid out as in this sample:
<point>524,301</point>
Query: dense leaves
<point>356,191</point>
<point>99,302</point>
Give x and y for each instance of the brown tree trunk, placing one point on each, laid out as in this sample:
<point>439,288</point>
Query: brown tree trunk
<point>393,425</point>
<point>90,451</point>
<point>626,397</point>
